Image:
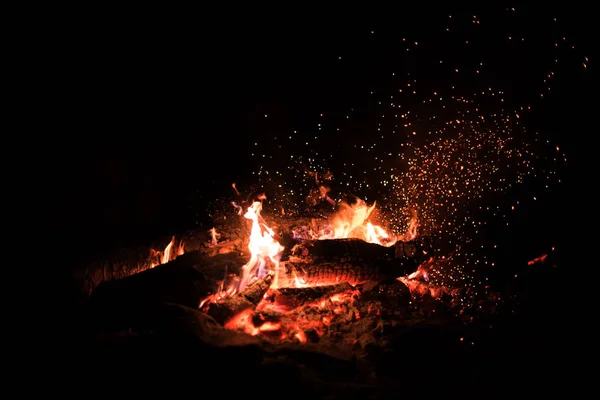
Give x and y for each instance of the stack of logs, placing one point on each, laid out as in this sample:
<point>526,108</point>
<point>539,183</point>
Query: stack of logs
<point>324,268</point>
<point>119,264</point>
<point>233,236</point>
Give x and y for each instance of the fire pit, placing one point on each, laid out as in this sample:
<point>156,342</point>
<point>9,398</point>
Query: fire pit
<point>449,282</point>
<point>338,296</point>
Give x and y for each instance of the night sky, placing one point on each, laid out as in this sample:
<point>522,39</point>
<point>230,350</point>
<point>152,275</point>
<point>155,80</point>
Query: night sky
<point>160,112</point>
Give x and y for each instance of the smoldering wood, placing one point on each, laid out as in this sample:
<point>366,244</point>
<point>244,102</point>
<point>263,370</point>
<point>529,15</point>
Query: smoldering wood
<point>121,263</point>
<point>249,298</point>
<point>393,295</point>
<point>297,297</point>
<point>353,272</point>
<point>262,316</point>
<point>233,231</point>
<point>328,273</point>
<point>178,335</point>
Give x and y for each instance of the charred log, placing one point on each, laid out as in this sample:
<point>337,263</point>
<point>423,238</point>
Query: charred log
<point>326,262</point>
<point>331,273</point>
<point>357,272</point>
<point>115,265</point>
<point>297,297</point>
<point>247,299</point>
<point>356,250</point>
<point>392,297</point>
<point>179,282</point>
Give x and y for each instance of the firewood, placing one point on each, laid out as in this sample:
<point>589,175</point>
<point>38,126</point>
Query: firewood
<point>357,250</point>
<point>329,273</point>
<point>297,297</point>
<point>249,298</point>
<point>119,264</point>
<point>179,281</point>
<point>355,272</point>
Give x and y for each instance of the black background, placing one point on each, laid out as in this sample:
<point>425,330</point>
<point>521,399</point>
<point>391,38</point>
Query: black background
<point>151,107</point>
<point>146,114</point>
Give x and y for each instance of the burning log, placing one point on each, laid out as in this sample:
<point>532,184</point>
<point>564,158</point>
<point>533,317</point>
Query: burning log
<point>326,262</point>
<point>247,299</point>
<point>353,249</point>
<point>297,297</point>
<point>115,265</point>
<point>331,273</point>
<point>180,281</point>
<point>125,262</point>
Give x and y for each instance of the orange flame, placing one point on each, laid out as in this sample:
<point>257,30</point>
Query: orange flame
<point>214,236</point>
<point>169,254</point>
<point>263,248</point>
<point>352,221</point>
<point>239,208</point>
<point>235,188</point>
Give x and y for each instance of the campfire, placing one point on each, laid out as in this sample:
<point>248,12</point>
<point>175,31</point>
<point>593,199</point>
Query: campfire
<point>336,275</point>
<point>328,280</point>
<point>430,261</point>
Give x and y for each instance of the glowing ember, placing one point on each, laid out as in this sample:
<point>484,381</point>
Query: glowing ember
<point>279,321</point>
<point>537,260</point>
<point>280,315</point>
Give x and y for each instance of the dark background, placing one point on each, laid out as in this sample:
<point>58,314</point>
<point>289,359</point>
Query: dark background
<point>148,114</point>
<point>154,111</point>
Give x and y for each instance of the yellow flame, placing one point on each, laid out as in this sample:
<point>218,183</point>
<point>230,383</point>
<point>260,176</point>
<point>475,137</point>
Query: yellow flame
<point>263,248</point>
<point>169,253</point>
<point>352,221</point>
<point>214,236</point>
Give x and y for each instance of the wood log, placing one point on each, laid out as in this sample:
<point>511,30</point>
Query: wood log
<point>326,262</point>
<point>350,269</point>
<point>180,281</point>
<point>121,263</point>
<point>329,273</point>
<point>297,297</point>
<point>249,298</point>
<point>353,250</point>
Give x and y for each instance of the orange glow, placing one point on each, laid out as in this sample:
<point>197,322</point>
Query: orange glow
<point>169,253</point>
<point>293,324</point>
<point>537,260</point>
<point>214,236</point>
<point>265,253</point>
<point>263,248</point>
<point>291,321</point>
<point>352,221</point>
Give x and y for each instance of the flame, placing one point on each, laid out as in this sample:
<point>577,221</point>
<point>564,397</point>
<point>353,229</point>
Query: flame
<point>239,208</point>
<point>235,188</point>
<point>352,221</point>
<point>214,236</point>
<point>168,254</point>
<point>423,270</point>
<point>263,248</point>
<point>265,254</point>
